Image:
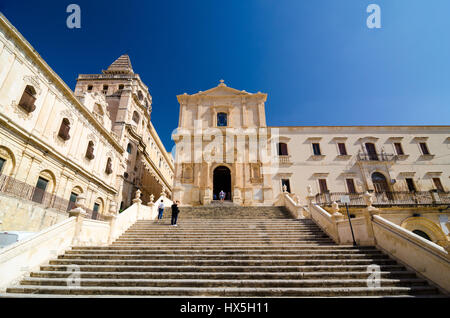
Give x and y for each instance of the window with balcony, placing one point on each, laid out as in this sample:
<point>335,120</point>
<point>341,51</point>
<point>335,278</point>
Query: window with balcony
<point>398,148</point>
<point>410,184</point>
<point>72,200</point>
<point>438,185</point>
<point>282,149</point>
<point>39,191</point>
<point>323,188</point>
<point>350,185</point>
<point>28,99</point>
<point>2,163</point>
<point>371,151</point>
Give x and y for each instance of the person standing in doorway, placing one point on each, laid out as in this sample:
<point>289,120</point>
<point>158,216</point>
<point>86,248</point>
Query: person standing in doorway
<point>175,211</point>
<point>222,195</point>
<point>161,209</point>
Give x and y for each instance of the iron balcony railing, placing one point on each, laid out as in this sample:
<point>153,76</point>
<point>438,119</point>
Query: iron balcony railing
<point>22,190</point>
<point>402,198</point>
<point>364,156</point>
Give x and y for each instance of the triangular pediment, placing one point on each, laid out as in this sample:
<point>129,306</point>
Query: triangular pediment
<point>222,90</point>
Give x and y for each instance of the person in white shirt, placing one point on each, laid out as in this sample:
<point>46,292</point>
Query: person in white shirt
<point>160,210</point>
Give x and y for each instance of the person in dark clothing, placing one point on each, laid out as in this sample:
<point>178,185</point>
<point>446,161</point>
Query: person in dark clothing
<point>175,212</point>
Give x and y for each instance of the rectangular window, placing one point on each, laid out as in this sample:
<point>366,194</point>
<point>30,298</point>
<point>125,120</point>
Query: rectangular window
<point>90,88</point>
<point>316,149</point>
<point>342,149</point>
<point>398,148</point>
<point>285,182</point>
<point>424,148</point>
<point>323,186</point>
<point>282,149</point>
<point>410,184</point>
<point>39,190</point>
<point>95,211</point>
<point>350,186</point>
<point>438,184</point>
<point>72,200</point>
<point>2,163</point>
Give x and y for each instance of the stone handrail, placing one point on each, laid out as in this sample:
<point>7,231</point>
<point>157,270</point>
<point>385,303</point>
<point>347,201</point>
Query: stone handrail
<point>296,210</point>
<point>324,220</point>
<point>429,259</point>
<point>27,255</point>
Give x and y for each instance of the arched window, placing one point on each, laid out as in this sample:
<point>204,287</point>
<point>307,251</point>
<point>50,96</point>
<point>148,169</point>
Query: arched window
<point>222,119</point>
<point>90,150</point>
<point>422,234</point>
<point>64,129</point>
<point>108,169</point>
<point>136,117</point>
<point>121,86</point>
<point>379,182</point>
<point>28,98</point>
<point>140,95</point>
<point>282,149</point>
<point>129,148</point>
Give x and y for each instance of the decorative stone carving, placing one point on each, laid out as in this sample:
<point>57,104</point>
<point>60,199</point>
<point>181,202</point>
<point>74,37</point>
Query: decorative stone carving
<point>33,81</point>
<point>309,191</point>
<point>137,197</point>
<point>368,198</point>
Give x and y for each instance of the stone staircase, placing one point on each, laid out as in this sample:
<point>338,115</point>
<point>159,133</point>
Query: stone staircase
<point>222,252</point>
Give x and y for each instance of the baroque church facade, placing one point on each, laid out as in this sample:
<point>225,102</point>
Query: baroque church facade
<point>97,142</point>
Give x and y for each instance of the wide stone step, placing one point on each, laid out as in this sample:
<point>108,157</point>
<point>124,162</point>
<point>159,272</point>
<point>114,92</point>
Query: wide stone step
<point>181,236</point>
<point>225,292</point>
<point>223,252</point>
<point>224,262</point>
<point>225,275</point>
<point>213,246</point>
<point>206,246</point>
<point>199,241</point>
<point>274,257</point>
<point>256,283</point>
<point>220,268</point>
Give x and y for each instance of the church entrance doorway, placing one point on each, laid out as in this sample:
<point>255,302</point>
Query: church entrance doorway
<point>222,182</point>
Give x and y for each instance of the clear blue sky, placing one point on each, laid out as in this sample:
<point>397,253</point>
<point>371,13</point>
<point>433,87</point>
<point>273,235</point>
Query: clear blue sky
<point>317,60</point>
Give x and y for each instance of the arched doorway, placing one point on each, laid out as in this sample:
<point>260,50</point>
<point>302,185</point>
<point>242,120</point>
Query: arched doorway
<point>222,182</point>
<point>380,184</point>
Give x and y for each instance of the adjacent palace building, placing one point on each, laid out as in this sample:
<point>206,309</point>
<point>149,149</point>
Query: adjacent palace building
<point>56,144</point>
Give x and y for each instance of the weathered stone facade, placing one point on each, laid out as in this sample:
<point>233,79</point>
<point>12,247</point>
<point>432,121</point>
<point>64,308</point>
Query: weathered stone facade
<point>67,144</point>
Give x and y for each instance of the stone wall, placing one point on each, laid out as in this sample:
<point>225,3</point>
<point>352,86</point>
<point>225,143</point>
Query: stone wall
<point>20,215</point>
